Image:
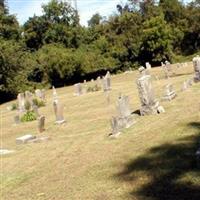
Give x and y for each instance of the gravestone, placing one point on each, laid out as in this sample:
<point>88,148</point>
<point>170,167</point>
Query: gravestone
<point>149,105</point>
<point>29,97</point>
<point>169,93</point>
<point>25,139</point>
<point>143,71</point>
<point>115,127</point>
<point>38,93</point>
<point>99,81</point>
<point>196,64</point>
<point>55,96</point>
<point>58,110</point>
<point>21,102</point>
<point>41,123</point>
<point>148,65</point>
<point>17,119</point>
<point>124,111</point>
<point>184,86</point>
<point>78,89</point>
<point>43,96</point>
<point>35,110</point>
<point>106,82</point>
<point>39,139</point>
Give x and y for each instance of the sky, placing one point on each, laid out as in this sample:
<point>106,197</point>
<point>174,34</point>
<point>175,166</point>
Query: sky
<point>24,9</point>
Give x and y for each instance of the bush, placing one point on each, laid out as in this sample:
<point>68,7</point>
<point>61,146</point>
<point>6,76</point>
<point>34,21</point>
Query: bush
<point>38,103</point>
<point>28,117</point>
<point>94,88</point>
<point>27,105</point>
<point>14,106</point>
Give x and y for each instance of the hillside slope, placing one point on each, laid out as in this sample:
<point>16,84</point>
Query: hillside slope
<point>152,160</point>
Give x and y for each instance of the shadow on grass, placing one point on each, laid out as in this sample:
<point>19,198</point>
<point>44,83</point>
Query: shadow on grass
<point>165,165</point>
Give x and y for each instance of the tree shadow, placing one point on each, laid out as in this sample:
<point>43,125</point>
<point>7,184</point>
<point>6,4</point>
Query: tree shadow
<point>165,165</point>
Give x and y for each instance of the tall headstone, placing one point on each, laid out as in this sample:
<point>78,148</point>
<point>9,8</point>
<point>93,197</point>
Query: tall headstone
<point>55,96</point>
<point>107,82</point>
<point>58,110</point>
<point>99,82</point>
<point>149,105</point>
<point>21,102</point>
<point>196,64</point>
<point>169,93</point>
<point>41,123</point>
<point>38,93</point>
<point>29,97</point>
<point>78,89</point>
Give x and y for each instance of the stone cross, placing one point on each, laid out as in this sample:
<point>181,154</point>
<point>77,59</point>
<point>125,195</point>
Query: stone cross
<point>196,64</point>
<point>78,89</point>
<point>58,110</point>
<point>169,93</point>
<point>21,102</point>
<point>149,105</point>
<point>41,123</point>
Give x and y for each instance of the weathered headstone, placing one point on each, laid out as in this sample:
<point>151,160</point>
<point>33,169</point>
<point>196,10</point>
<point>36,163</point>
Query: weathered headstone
<point>184,86</point>
<point>107,82</point>
<point>169,93</point>
<point>17,119</point>
<point>35,110</point>
<point>196,64</point>
<point>21,102</point>
<point>149,105</point>
<point>55,96</point>
<point>143,71</point>
<point>24,139</point>
<point>58,110</point>
<point>148,65</point>
<point>115,126</point>
<point>78,89</point>
<point>38,93</point>
<point>99,81</point>
<point>41,123</point>
<point>29,97</point>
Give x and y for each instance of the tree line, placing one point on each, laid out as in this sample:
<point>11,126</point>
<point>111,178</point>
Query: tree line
<point>54,49</point>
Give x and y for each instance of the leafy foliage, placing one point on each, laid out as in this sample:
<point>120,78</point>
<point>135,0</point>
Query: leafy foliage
<point>28,117</point>
<point>54,49</point>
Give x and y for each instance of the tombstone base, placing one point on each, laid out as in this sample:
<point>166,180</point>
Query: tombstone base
<point>60,122</point>
<point>169,97</point>
<point>25,139</point>
<point>114,136</point>
<point>5,152</point>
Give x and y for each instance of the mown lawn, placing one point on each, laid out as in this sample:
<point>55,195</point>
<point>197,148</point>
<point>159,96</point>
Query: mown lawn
<point>152,160</point>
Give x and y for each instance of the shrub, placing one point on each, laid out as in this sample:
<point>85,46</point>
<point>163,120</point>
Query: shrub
<point>14,106</point>
<point>94,88</point>
<point>28,117</point>
<point>38,103</point>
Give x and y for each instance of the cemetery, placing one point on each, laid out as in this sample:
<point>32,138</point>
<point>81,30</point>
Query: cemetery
<point>99,99</point>
<point>87,148</point>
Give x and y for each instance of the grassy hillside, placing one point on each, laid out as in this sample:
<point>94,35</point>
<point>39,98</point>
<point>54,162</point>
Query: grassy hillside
<point>152,160</point>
